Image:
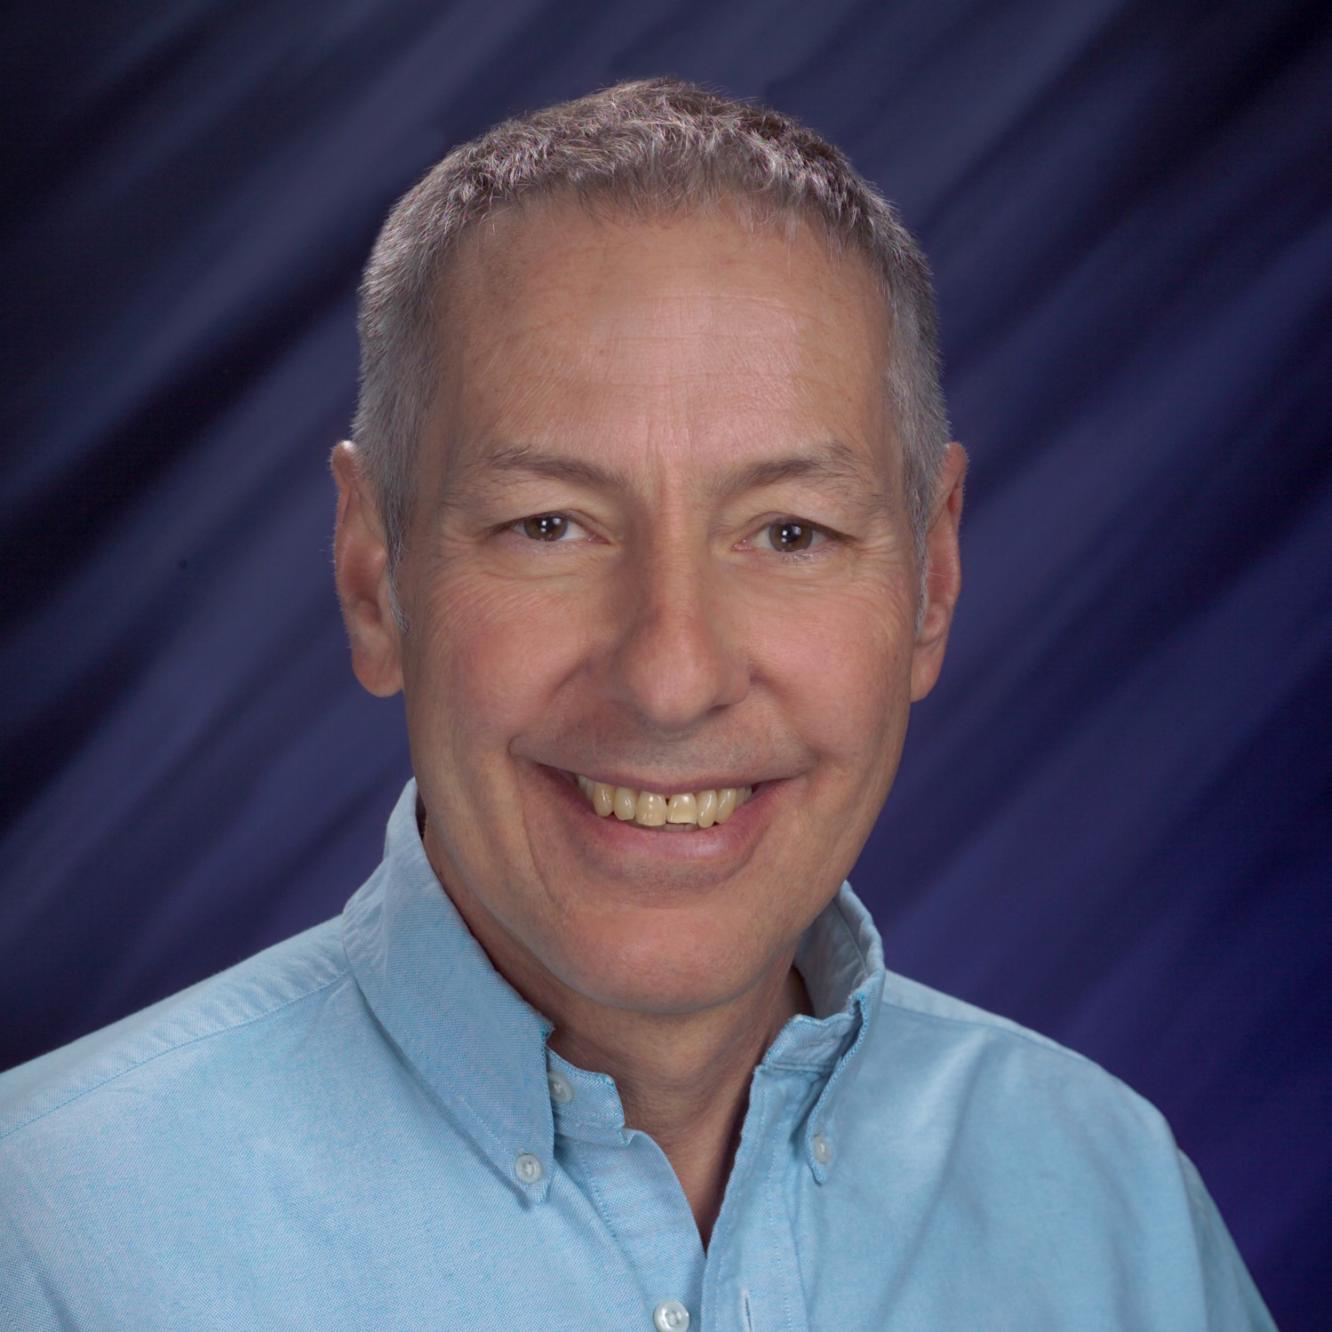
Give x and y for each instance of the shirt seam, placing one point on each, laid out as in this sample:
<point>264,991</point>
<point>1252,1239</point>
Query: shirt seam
<point>170,1049</point>
<point>790,1066</point>
<point>779,1223</point>
<point>852,935</point>
<point>564,1120</point>
<point>599,1202</point>
<point>726,1222</point>
<point>1001,1029</point>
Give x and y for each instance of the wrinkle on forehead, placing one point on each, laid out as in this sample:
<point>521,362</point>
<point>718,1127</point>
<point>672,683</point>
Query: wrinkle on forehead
<point>830,465</point>
<point>549,313</point>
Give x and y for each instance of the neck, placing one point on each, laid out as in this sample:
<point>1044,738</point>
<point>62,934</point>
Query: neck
<point>684,1078</point>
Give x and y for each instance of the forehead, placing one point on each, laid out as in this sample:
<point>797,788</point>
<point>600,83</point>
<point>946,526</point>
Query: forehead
<point>681,335</point>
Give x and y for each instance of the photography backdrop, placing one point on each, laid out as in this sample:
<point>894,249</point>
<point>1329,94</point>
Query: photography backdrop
<point>1112,818</point>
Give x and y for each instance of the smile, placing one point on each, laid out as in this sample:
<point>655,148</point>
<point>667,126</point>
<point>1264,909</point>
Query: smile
<point>680,812</point>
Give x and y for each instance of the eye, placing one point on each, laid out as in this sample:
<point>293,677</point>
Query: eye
<point>790,536</point>
<point>547,527</point>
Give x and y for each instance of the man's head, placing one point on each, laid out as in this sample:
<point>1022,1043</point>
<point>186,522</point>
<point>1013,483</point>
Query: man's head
<point>658,533</point>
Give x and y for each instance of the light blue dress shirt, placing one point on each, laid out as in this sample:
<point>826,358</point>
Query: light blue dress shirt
<point>364,1128</point>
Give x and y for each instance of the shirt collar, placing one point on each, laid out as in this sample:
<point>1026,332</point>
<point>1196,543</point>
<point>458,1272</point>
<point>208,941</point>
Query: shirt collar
<point>480,1048</point>
<point>840,958</point>
<point>471,1037</point>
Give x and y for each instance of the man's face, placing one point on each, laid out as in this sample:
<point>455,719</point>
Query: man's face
<point>659,541</point>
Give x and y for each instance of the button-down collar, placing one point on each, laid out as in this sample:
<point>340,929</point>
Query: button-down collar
<point>481,1049</point>
<point>474,1041</point>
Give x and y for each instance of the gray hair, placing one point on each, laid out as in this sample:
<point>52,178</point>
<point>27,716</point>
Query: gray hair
<point>651,147</point>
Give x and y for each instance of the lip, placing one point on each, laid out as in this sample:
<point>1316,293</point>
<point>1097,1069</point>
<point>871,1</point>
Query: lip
<point>667,789</point>
<point>724,846</point>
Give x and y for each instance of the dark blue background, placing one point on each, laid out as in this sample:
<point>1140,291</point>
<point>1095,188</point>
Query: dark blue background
<point>1112,822</point>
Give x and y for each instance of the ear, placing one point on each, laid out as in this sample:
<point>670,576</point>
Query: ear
<point>360,567</point>
<point>943,574</point>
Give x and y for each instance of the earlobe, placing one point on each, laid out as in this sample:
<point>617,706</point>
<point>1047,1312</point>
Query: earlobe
<point>360,566</point>
<point>943,574</point>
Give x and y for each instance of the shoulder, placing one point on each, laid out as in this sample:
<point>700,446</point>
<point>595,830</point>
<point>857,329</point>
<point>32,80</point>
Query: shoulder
<point>963,1021</point>
<point>936,1029</point>
<point>198,1035</point>
<point>1003,1071</point>
<point>995,1093</point>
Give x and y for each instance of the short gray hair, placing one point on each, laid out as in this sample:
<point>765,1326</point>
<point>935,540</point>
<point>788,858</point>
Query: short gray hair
<point>650,147</point>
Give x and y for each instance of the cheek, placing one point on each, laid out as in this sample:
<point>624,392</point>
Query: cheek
<point>840,661</point>
<point>488,657</point>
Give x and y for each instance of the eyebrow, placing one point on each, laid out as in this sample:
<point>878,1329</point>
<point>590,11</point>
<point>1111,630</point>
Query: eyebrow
<point>830,462</point>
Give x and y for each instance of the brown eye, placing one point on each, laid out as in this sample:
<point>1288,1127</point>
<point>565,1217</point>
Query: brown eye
<point>545,526</point>
<point>789,537</point>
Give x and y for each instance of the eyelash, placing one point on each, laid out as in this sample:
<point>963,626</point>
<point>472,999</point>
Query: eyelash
<point>824,535</point>
<point>517,527</point>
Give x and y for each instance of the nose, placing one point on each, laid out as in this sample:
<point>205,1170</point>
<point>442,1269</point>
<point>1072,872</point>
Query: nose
<point>678,655</point>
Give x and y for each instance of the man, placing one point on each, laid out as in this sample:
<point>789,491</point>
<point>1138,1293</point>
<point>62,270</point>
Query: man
<point>652,517</point>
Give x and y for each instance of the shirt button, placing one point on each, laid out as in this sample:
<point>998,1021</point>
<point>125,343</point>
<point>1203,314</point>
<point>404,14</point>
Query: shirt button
<point>560,1090</point>
<point>528,1168</point>
<point>670,1316</point>
<point>822,1149</point>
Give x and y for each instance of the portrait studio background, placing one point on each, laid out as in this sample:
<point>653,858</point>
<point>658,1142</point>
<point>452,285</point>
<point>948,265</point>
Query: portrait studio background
<point>1111,818</point>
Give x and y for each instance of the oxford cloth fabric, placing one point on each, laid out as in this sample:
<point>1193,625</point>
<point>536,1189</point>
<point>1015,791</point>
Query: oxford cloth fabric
<point>364,1127</point>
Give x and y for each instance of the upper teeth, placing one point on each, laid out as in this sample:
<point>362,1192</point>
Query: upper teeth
<point>650,809</point>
